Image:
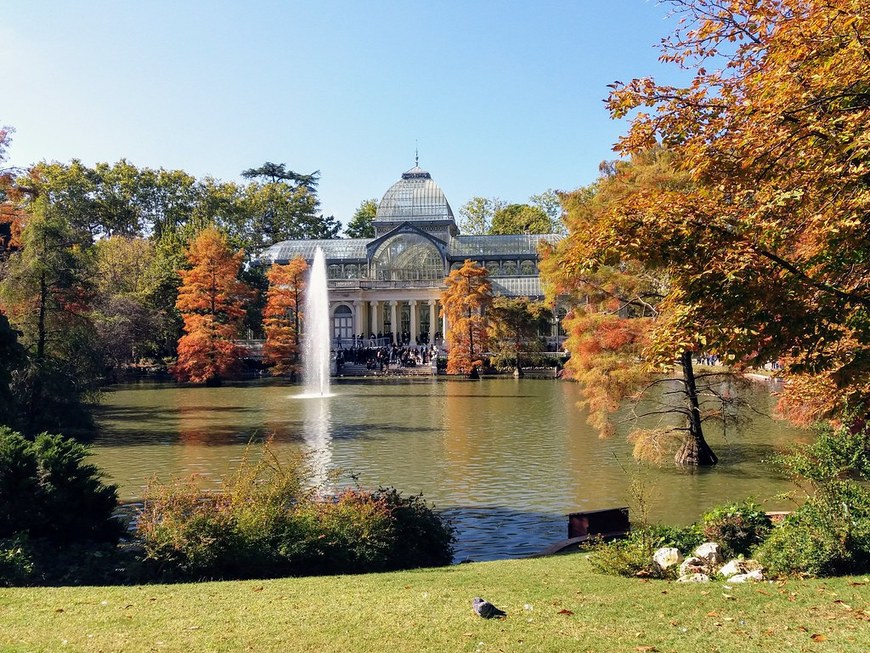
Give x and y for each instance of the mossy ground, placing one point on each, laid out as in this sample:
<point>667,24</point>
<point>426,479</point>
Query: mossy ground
<point>553,604</point>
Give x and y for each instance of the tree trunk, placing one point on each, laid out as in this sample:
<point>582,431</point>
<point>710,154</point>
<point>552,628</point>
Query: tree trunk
<point>694,452</point>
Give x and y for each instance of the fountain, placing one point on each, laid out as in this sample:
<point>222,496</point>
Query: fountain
<point>316,336</point>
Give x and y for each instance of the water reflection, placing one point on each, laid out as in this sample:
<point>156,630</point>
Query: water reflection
<point>316,432</point>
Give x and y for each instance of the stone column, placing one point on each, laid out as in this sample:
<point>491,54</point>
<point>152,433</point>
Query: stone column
<point>433,316</point>
<point>357,318</point>
<point>394,322</point>
<point>373,326</point>
<point>444,328</point>
<point>413,305</point>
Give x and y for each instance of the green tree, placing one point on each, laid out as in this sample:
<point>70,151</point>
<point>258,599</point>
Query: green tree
<point>47,294</point>
<point>361,225</point>
<point>515,324</point>
<point>549,203</point>
<point>520,219</point>
<point>475,216</point>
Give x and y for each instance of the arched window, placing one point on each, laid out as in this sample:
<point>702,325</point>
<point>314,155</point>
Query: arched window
<point>509,268</point>
<point>494,268</point>
<point>527,268</point>
<point>351,271</point>
<point>334,272</point>
<point>342,323</point>
<point>407,257</point>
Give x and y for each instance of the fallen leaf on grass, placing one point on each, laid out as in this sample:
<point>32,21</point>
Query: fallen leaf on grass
<point>712,613</point>
<point>565,612</point>
<point>763,592</point>
<point>59,610</point>
<point>257,589</point>
<point>646,649</point>
<point>818,637</point>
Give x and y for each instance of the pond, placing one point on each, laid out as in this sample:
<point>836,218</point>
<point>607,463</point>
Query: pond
<point>506,459</point>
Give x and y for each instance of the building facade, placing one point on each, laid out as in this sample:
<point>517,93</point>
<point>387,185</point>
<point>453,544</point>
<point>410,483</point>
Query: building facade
<point>388,287</point>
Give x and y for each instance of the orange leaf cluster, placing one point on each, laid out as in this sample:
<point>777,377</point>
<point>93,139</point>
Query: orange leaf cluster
<point>211,300</point>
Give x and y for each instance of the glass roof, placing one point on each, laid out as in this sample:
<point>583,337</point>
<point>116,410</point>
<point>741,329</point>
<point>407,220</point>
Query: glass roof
<point>495,245</point>
<point>517,286</point>
<point>348,248</point>
<point>415,197</point>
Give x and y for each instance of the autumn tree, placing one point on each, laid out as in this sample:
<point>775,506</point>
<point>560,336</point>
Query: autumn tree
<point>11,215</point>
<point>362,223</point>
<point>620,326</point>
<point>283,315</point>
<point>465,301</point>
<point>515,324</point>
<point>211,301</point>
<point>767,257</point>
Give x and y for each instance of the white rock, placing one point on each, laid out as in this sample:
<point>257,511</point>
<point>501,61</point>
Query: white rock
<point>711,552</point>
<point>667,557</point>
<point>694,578</point>
<point>755,575</point>
<point>732,568</point>
<point>693,565</point>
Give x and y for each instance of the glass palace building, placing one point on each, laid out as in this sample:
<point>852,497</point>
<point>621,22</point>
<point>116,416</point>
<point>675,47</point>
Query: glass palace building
<point>389,286</point>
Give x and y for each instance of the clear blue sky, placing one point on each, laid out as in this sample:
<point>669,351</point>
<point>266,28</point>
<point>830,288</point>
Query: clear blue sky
<point>503,98</point>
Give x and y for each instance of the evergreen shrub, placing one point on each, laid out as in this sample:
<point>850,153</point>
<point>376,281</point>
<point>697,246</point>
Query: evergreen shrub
<point>48,491</point>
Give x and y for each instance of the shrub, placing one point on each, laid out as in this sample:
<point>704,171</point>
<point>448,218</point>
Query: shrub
<point>737,527</point>
<point>633,556</point>
<point>47,490</point>
<point>422,537</point>
<point>267,521</point>
<point>16,561</point>
<point>830,533</point>
<point>827,536</point>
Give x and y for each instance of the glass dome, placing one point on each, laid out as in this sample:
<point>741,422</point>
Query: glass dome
<point>414,197</point>
<point>407,257</point>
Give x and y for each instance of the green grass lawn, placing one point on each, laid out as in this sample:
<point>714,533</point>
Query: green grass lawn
<point>553,604</point>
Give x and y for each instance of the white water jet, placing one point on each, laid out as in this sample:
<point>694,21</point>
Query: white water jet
<point>316,336</point>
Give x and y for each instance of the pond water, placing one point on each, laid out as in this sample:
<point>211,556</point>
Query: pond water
<point>506,459</point>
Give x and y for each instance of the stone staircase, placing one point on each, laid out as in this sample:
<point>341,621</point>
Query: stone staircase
<point>353,369</point>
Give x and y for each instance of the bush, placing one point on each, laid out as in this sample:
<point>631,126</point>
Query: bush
<point>267,522</point>
<point>633,556</point>
<point>48,491</point>
<point>829,535</point>
<point>16,561</point>
<point>737,527</point>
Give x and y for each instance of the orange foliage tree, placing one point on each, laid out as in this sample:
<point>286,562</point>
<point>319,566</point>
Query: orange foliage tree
<point>767,255</point>
<point>282,316</point>
<point>465,301</point>
<point>620,326</point>
<point>211,301</point>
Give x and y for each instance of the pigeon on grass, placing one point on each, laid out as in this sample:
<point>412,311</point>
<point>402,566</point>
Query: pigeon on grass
<point>486,609</point>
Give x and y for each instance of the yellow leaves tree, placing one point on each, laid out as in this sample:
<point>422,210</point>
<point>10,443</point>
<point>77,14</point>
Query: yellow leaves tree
<point>465,300</point>
<point>282,316</point>
<point>211,300</point>
<point>768,253</point>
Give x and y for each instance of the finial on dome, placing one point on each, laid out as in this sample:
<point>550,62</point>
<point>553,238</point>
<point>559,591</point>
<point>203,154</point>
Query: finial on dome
<point>416,155</point>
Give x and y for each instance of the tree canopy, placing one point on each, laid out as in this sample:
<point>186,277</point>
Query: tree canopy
<point>767,254</point>
<point>361,224</point>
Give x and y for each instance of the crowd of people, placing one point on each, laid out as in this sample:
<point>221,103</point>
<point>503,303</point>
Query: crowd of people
<point>382,352</point>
